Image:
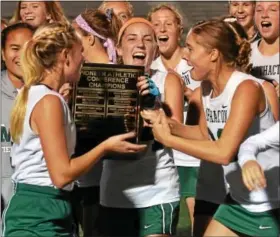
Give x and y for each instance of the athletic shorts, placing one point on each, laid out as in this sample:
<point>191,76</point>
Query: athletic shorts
<point>188,178</point>
<point>239,219</point>
<point>38,211</point>
<point>158,219</point>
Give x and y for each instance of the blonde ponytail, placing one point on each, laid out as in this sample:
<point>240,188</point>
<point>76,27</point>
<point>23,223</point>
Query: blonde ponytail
<point>39,54</point>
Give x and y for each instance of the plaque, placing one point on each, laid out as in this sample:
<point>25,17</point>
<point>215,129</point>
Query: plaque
<point>106,101</point>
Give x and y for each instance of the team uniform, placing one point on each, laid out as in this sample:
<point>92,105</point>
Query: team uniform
<point>8,95</point>
<point>187,165</point>
<point>265,67</point>
<point>241,209</point>
<point>37,208</point>
<point>140,194</point>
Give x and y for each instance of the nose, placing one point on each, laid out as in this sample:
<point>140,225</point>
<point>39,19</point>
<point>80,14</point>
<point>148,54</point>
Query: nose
<point>240,8</point>
<point>264,14</point>
<point>162,28</point>
<point>140,43</point>
<point>185,54</point>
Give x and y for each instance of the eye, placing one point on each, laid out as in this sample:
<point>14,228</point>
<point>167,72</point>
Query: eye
<point>123,16</point>
<point>35,6</point>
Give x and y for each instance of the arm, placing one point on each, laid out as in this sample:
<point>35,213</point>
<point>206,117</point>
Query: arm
<point>254,144</point>
<point>47,120</point>
<point>197,116</point>
<point>252,173</point>
<point>174,97</point>
<point>272,98</point>
<point>224,149</point>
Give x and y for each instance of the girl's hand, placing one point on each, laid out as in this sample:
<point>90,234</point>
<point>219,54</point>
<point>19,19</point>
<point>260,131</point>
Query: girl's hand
<point>146,86</point>
<point>253,175</point>
<point>161,129</point>
<point>65,90</point>
<point>150,117</point>
<point>120,145</point>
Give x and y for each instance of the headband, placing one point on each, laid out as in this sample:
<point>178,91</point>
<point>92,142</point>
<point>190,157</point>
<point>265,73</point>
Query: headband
<point>130,22</point>
<point>108,44</point>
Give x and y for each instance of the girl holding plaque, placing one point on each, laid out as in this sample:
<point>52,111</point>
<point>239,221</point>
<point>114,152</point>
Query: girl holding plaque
<point>98,32</point>
<point>140,197</point>
<point>44,137</point>
<point>232,105</point>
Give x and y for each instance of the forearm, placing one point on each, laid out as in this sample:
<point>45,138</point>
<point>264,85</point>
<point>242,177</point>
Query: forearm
<point>206,150</point>
<point>257,143</point>
<point>82,164</point>
<point>185,131</point>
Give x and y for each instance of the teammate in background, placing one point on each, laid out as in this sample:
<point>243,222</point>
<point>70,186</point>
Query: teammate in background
<point>244,13</point>
<point>219,52</point>
<point>37,13</point>
<point>99,35</point>
<point>168,25</point>
<point>122,9</point>
<point>265,52</point>
<point>44,137</point>
<point>140,195</point>
<point>12,40</point>
<point>253,173</point>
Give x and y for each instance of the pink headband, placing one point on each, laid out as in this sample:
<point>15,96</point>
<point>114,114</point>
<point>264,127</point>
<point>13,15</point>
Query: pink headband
<point>108,44</point>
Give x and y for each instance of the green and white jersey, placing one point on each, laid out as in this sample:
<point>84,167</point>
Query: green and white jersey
<point>265,67</point>
<point>183,69</point>
<point>27,156</point>
<point>214,180</point>
<point>147,179</point>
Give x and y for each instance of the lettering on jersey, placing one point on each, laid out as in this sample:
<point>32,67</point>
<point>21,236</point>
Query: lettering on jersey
<point>216,116</point>
<point>266,70</point>
<point>5,134</point>
<point>186,77</point>
<point>5,138</point>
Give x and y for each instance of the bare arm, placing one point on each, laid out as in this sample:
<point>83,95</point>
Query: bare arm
<point>272,98</point>
<point>223,150</point>
<point>47,120</point>
<point>174,97</point>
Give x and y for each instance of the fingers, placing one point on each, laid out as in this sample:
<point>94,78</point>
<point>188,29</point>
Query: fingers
<point>253,176</point>
<point>130,147</point>
<point>126,136</point>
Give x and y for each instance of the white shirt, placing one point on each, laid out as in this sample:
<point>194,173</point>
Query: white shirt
<point>183,69</point>
<point>27,156</point>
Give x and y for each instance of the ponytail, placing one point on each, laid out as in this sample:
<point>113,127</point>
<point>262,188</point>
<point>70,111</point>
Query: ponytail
<point>32,71</point>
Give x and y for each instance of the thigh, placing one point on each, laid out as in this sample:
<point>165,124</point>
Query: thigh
<point>240,220</point>
<point>203,214</point>
<point>216,229</point>
<point>188,179</point>
<point>159,220</point>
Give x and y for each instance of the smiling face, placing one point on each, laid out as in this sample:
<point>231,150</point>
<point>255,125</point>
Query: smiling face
<point>33,13</point>
<point>138,45</point>
<point>167,29</point>
<point>267,19</point>
<point>13,47</point>
<point>243,11</point>
<point>197,56</point>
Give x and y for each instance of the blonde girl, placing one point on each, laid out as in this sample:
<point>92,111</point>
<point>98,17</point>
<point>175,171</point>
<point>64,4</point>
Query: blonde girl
<point>37,13</point>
